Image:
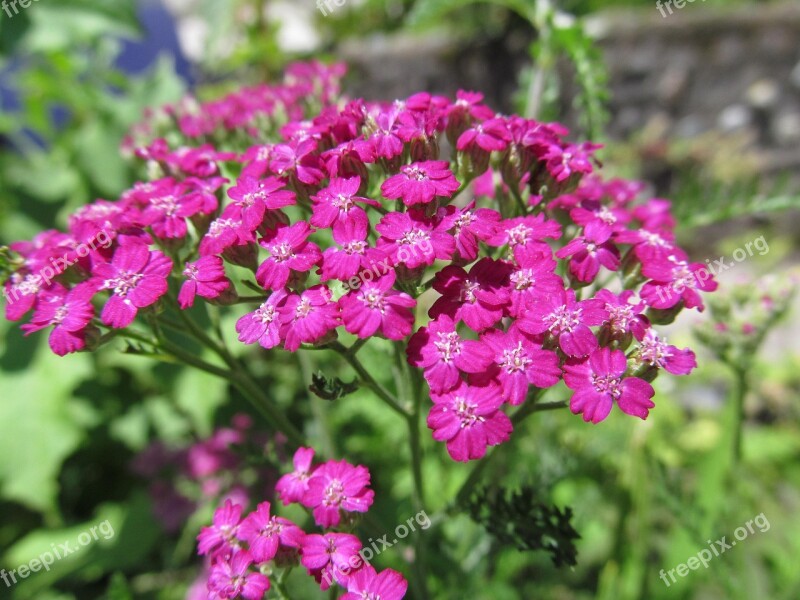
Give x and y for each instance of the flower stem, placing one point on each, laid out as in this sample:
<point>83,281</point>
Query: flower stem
<point>368,380</point>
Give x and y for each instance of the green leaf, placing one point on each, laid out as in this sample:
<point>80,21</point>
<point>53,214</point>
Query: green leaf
<point>40,429</point>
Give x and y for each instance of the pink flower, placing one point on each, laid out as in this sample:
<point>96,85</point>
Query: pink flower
<point>623,317</point>
<point>366,584</point>
<point>519,363</point>
<point>657,352</point>
<point>69,312</point>
<point>206,278</point>
<point>354,255</point>
<point>490,136</point>
<point>254,197</point>
<point>421,182</point>
<point>533,279</point>
<point>526,234</point>
<point>376,306</point>
<point>469,419</point>
<point>137,278</point>
<point>337,486</point>
<point>590,251</point>
<point>220,538</point>
<point>567,320</point>
<point>308,317</point>
<point>297,159</point>
<point>289,251</point>
<point>167,208</point>
<point>675,279</point>
<point>477,298</point>
<point>599,382</point>
<point>263,325</point>
<point>562,162</point>
<point>265,533</point>
<point>329,557</point>
<point>470,226</point>
<point>232,578</point>
<point>444,355</point>
<point>413,239</point>
<point>335,205</point>
<point>293,486</point>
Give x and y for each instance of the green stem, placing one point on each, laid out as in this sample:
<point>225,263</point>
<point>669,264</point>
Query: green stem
<point>420,560</point>
<point>368,380</point>
<point>739,395</point>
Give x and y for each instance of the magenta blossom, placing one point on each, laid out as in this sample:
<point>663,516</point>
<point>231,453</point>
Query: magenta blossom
<point>254,197</point>
<point>137,278</point>
<point>367,584</point>
<point>265,533</point>
<point>591,251</point>
<point>206,278</point>
<point>477,298</point>
<point>565,319</point>
<point>232,578</point>
<point>518,364</point>
<point>657,352</point>
<point>469,419</point>
<point>444,355</point>
<point>421,182</point>
<point>377,306</point>
<point>336,204</point>
<point>329,557</point>
<point>337,486</point>
<point>293,486</point>
<point>69,312</point>
<point>308,317</point>
<point>263,325</point>
<point>289,251</point>
<point>599,382</point>
<point>220,538</point>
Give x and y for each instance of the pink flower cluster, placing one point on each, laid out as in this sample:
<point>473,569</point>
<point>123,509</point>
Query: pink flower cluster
<point>511,245</point>
<point>239,546</point>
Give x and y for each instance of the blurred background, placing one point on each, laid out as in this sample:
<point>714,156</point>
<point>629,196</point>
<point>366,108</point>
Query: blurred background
<point>702,103</point>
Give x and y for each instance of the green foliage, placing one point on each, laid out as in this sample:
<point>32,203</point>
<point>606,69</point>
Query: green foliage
<point>330,389</point>
<point>519,519</point>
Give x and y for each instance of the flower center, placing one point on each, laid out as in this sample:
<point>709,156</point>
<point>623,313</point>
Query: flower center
<point>123,283</point>
<point>465,411</point>
<point>415,173</point>
<point>166,204</point>
<point>563,319</point>
<point>334,493</point>
<point>468,290</point>
<point>303,309</point>
<point>414,237</point>
<point>515,360</point>
<point>265,314</point>
<point>607,384</point>
<point>448,345</point>
<point>354,247</point>
<point>373,300</point>
<point>519,235</point>
<point>281,252</point>
<point>60,315</point>
<point>522,279</point>
<point>343,203</point>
